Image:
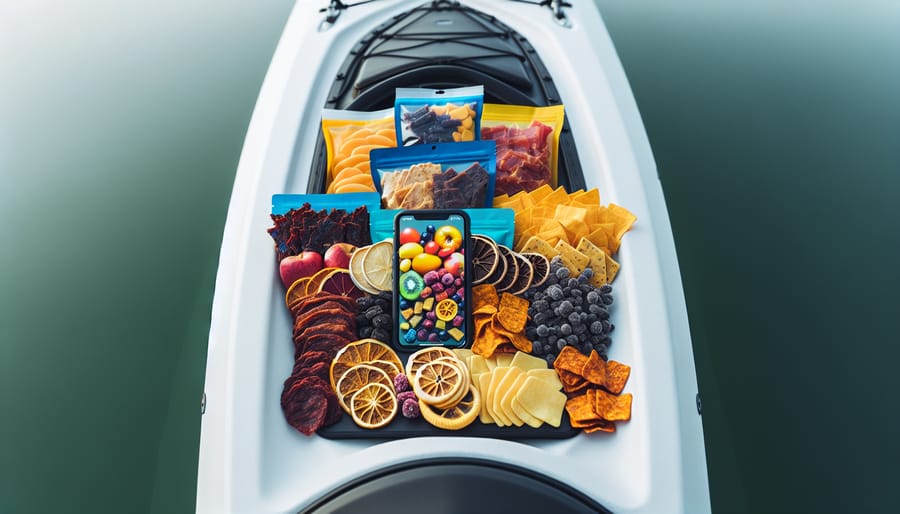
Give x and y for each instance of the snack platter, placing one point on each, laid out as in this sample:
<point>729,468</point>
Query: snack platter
<point>251,459</point>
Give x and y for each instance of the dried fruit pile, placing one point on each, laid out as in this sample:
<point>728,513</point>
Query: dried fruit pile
<point>431,285</point>
<point>362,375</point>
<point>374,319</point>
<point>442,383</point>
<point>505,269</point>
<point>306,229</point>
<point>569,312</point>
<point>427,186</point>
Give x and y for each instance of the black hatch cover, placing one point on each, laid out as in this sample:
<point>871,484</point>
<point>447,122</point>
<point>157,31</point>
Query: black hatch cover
<point>439,45</point>
<point>455,486</point>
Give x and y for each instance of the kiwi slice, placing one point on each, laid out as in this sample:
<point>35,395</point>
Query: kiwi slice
<point>540,266</point>
<point>411,285</point>
<point>526,272</point>
<point>512,269</point>
<point>485,258</point>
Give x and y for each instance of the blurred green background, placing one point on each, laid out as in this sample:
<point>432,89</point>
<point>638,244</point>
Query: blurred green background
<point>775,127</point>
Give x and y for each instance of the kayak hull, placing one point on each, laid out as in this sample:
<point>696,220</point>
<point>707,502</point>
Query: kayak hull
<point>251,460</point>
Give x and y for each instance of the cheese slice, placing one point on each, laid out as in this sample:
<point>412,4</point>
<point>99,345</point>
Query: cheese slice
<point>526,416</point>
<point>527,362</point>
<point>542,401</point>
<point>550,375</point>
<point>510,393</point>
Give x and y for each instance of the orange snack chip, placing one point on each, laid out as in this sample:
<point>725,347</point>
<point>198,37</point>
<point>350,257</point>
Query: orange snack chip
<point>612,407</point>
<point>499,322</point>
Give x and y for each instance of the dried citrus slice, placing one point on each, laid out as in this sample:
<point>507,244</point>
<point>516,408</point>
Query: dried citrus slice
<point>417,359</point>
<point>540,266</point>
<point>388,367</point>
<point>499,272</point>
<point>439,381</point>
<point>378,265</point>
<point>296,291</point>
<point>373,406</point>
<point>339,282</point>
<point>526,272</point>
<point>356,378</point>
<point>314,281</point>
<point>512,269</point>
<point>356,271</point>
<point>453,400</point>
<point>485,258</point>
<point>446,309</point>
<point>364,351</point>
<point>456,417</point>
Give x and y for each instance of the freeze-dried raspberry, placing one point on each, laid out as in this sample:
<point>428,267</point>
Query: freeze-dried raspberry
<point>401,383</point>
<point>411,409</point>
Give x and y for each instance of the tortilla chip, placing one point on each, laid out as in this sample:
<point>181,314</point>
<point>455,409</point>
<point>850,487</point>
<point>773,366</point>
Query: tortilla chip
<point>616,376</point>
<point>601,426</point>
<point>572,258</point>
<point>611,407</point>
<point>484,294</point>
<point>513,312</point>
<point>571,360</point>
<point>594,369</point>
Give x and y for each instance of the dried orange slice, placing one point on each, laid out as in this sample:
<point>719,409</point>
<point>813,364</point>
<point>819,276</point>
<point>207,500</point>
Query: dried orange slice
<point>512,269</point>
<point>378,265</point>
<point>364,351</point>
<point>373,406</point>
<point>540,267</point>
<point>446,309</point>
<point>356,270</point>
<point>499,271</point>
<point>485,258</point>
<point>458,416</point>
<point>339,282</point>
<point>438,382</point>
<point>356,378</point>
<point>523,280</point>
<point>314,281</point>
<point>417,359</point>
<point>296,291</point>
<point>388,367</point>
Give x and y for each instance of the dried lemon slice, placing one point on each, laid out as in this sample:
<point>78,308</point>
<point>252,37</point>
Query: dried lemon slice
<point>456,417</point>
<point>439,382</point>
<point>462,390</point>
<point>356,378</point>
<point>378,265</point>
<point>364,351</point>
<point>356,270</point>
<point>373,406</point>
<point>296,291</point>
<point>425,355</point>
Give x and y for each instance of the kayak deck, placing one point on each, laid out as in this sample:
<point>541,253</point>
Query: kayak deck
<point>252,460</point>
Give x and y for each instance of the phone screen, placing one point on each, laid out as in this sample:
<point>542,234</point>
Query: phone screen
<point>430,273</point>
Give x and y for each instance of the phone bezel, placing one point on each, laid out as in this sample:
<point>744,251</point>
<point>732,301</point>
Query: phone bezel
<point>434,215</point>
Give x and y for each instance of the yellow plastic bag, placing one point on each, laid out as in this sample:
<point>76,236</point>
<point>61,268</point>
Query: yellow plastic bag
<point>527,145</point>
<point>349,137</point>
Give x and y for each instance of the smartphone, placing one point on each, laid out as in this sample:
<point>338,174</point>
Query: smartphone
<point>431,260</point>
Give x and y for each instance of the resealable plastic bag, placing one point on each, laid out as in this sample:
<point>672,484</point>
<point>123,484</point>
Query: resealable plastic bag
<point>527,144</point>
<point>424,116</point>
<point>349,136</point>
<point>437,176</point>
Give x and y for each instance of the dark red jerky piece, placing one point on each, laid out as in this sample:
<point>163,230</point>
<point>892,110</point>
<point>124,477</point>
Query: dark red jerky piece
<point>310,358</point>
<point>317,299</point>
<point>305,229</point>
<point>344,327</point>
<point>328,344</point>
<point>323,313</point>
<point>305,403</point>
<point>319,369</point>
<point>335,411</point>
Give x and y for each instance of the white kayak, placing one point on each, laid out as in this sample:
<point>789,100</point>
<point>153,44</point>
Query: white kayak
<point>252,460</point>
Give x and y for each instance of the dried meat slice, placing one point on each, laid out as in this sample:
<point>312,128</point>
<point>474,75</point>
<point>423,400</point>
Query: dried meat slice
<point>305,403</point>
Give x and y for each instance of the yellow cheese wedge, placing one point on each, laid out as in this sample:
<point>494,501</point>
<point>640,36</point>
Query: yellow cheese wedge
<point>496,377</point>
<point>550,375</point>
<point>542,401</point>
<point>484,383</point>
<point>509,378</point>
<point>503,359</point>
<point>510,393</point>
<point>527,362</point>
<point>526,416</point>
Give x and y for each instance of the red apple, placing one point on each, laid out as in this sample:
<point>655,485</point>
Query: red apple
<point>293,267</point>
<point>338,255</point>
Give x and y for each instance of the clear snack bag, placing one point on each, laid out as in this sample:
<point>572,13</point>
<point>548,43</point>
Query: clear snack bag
<point>527,144</point>
<point>349,136</point>
<point>425,116</point>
